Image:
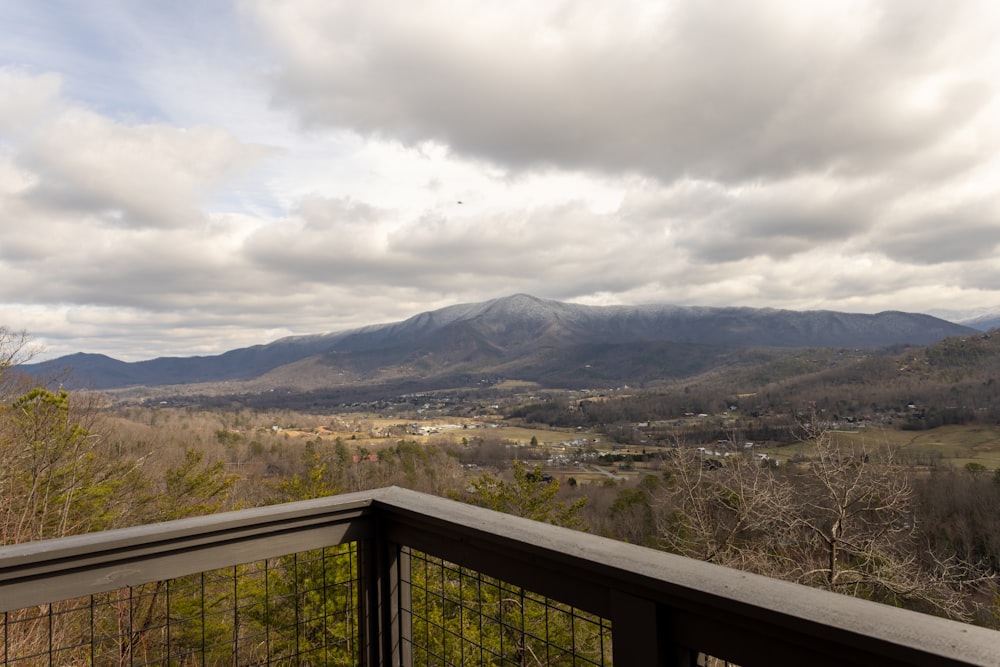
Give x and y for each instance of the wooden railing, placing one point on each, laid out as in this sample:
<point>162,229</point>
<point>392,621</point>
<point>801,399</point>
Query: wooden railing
<point>661,609</point>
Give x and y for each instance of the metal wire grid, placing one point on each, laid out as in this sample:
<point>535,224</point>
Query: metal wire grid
<point>299,609</point>
<point>461,617</point>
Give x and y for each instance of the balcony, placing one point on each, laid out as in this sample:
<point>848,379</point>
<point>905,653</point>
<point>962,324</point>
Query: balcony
<point>394,577</point>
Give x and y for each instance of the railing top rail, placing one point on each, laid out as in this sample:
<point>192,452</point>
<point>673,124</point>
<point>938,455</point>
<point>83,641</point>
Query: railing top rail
<point>707,605</point>
<point>45,571</point>
<point>708,602</point>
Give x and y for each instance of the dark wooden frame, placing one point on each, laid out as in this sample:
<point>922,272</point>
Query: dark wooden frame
<point>663,608</point>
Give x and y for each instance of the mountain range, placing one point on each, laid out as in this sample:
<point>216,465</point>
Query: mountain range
<point>516,337</point>
<point>983,322</point>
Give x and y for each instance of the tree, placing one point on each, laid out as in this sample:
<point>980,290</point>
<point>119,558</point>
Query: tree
<point>317,480</point>
<point>193,487</point>
<point>726,513</point>
<point>15,349</point>
<point>528,495</point>
<point>56,479</point>
<point>844,520</point>
<point>632,518</point>
<point>960,514</point>
<point>59,476</point>
<point>855,520</point>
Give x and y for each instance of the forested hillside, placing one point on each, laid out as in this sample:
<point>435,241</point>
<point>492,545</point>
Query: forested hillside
<point>950,382</point>
<point>517,337</point>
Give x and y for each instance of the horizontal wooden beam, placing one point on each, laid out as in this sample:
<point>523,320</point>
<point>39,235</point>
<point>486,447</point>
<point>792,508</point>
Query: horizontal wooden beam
<point>50,570</point>
<point>741,617</point>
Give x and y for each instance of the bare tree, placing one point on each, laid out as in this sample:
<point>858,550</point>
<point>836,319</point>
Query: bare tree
<point>723,511</point>
<point>844,520</point>
<point>15,349</point>
<point>854,521</point>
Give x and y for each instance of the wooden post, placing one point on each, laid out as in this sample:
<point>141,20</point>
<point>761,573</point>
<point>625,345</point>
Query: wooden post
<point>642,634</point>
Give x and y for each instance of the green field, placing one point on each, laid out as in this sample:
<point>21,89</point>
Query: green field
<point>545,436</point>
<point>947,445</point>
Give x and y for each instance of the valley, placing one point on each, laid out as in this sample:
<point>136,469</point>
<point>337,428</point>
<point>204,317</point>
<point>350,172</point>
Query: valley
<point>732,453</point>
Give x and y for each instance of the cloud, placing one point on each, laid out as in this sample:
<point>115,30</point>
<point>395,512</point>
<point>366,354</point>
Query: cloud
<point>966,233</point>
<point>24,99</point>
<point>777,220</point>
<point>837,154</point>
<point>106,214</point>
<point>345,242</point>
<point>137,176</point>
<point>705,90</point>
<point>82,163</point>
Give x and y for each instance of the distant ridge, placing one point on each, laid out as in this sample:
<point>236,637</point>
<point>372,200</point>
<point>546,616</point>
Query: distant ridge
<point>983,322</point>
<point>511,334</point>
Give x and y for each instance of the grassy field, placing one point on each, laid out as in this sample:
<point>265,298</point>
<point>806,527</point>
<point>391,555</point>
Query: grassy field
<point>358,429</point>
<point>947,445</point>
<point>545,436</point>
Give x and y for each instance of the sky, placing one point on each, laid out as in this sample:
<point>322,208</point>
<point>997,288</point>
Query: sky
<point>183,178</point>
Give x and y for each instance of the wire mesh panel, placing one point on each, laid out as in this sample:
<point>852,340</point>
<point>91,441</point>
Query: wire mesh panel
<point>300,609</point>
<point>461,617</point>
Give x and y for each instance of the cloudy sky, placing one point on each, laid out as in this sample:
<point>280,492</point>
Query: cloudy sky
<point>187,177</point>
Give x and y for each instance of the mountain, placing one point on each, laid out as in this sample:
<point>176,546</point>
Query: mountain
<point>983,322</point>
<point>519,337</point>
